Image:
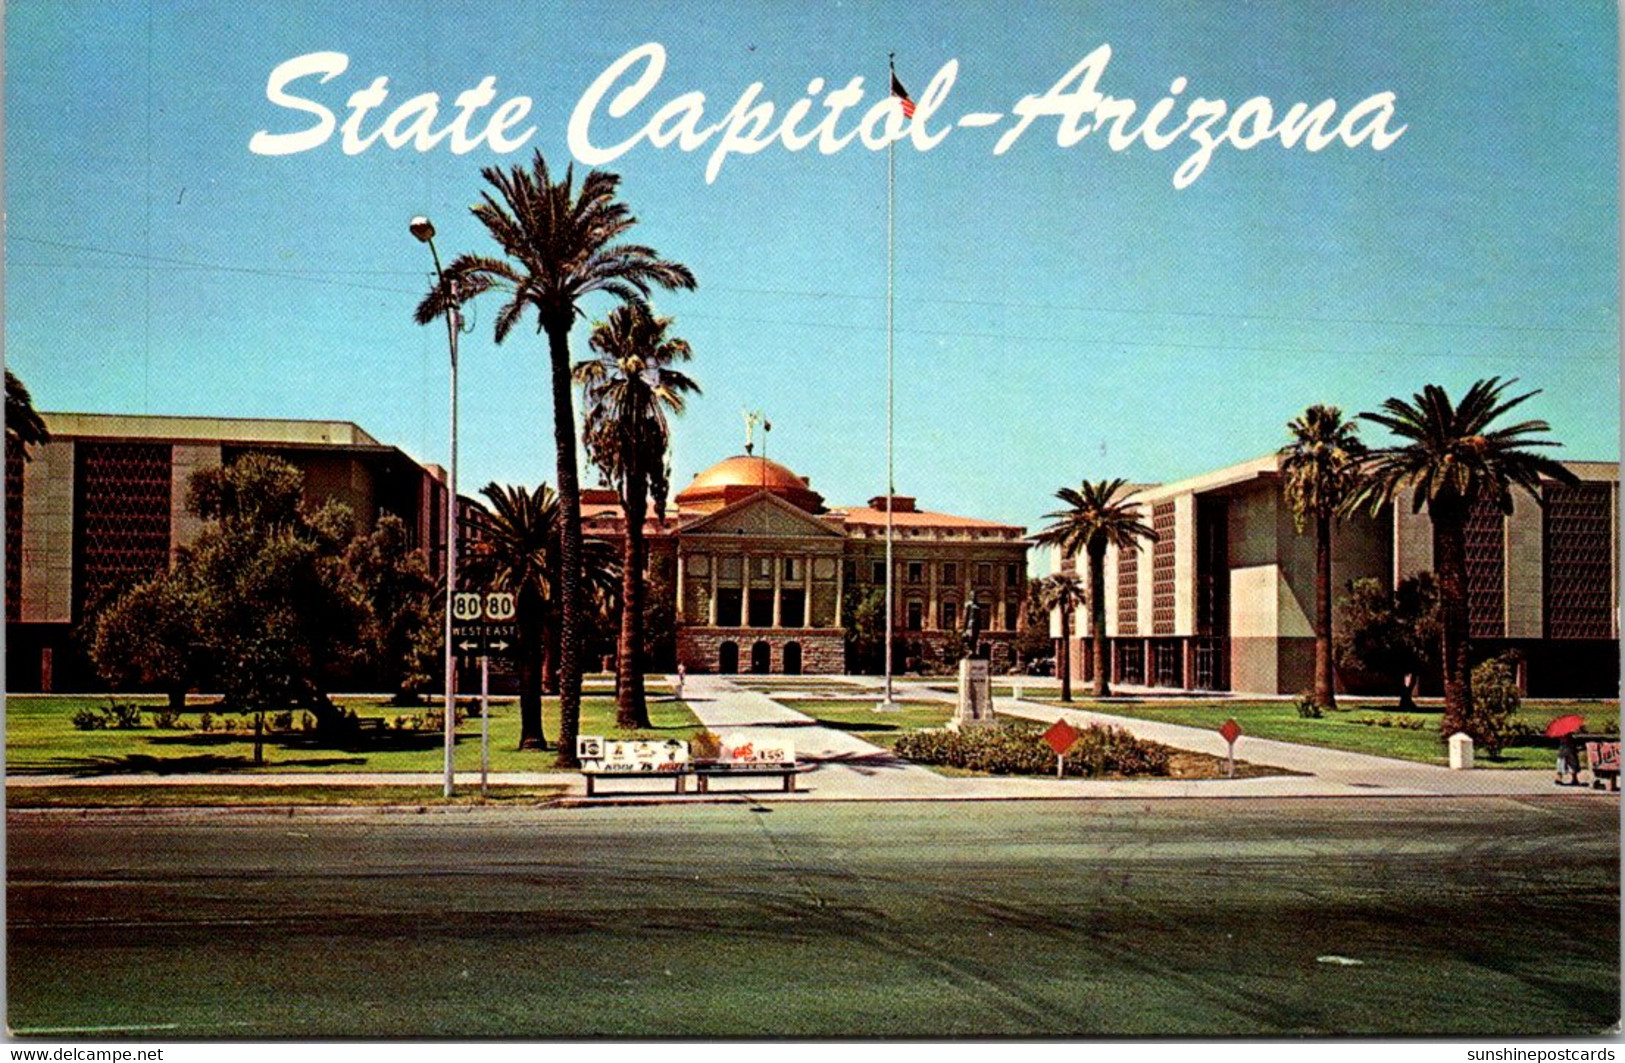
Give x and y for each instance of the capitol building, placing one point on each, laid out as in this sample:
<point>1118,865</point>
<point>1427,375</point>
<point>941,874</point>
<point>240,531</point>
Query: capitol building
<point>765,570</point>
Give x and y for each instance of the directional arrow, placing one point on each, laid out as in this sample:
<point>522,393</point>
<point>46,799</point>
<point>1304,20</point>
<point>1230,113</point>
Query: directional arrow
<point>498,646</point>
<point>468,647</point>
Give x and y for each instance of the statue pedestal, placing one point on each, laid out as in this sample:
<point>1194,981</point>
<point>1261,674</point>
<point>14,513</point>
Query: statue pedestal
<point>975,707</point>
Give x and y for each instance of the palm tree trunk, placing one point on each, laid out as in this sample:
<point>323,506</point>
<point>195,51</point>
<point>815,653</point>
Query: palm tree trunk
<point>1097,616</point>
<point>569,588</point>
<point>1450,560</point>
<point>1325,681</point>
<point>532,734</point>
<point>550,659</point>
<point>631,707</point>
<point>1064,657</point>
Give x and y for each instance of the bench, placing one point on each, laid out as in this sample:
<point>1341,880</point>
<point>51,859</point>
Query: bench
<point>704,773</point>
<point>748,756</point>
<point>592,775</point>
<point>602,758</point>
<point>739,757</point>
<point>1603,756</point>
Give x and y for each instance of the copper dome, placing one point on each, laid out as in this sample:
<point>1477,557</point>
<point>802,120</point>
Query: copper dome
<point>739,477</point>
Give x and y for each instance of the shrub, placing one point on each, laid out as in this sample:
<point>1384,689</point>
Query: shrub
<point>282,721</point>
<point>206,722</point>
<point>166,719</point>
<point>1017,748</point>
<point>1403,723</point>
<point>705,746</point>
<point>89,720</point>
<point>1308,708</point>
<point>123,715</point>
<point>1495,699</point>
<point>307,722</point>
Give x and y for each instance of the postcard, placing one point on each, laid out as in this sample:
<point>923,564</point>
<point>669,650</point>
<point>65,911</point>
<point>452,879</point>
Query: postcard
<point>767,521</point>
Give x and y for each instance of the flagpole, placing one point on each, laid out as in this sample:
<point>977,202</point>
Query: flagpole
<point>891,484</point>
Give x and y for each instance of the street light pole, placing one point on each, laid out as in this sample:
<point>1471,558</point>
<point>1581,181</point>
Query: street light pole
<point>423,229</point>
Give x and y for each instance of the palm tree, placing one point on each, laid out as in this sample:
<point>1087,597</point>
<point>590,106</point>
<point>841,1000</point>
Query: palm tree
<point>627,391</point>
<point>559,245</point>
<point>1320,470</point>
<point>1450,458</point>
<point>24,427</point>
<point>516,547</point>
<point>1062,591</point>
<point>1099,514</point>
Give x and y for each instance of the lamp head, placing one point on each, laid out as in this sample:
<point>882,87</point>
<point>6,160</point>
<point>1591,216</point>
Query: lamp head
<point>422,228</point>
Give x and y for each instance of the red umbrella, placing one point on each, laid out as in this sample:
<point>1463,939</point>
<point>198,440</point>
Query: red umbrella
<point>1564,725</point>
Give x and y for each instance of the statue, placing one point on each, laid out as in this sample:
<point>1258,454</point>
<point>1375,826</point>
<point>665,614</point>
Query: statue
<point>975,704</point>
<point>972,630</point>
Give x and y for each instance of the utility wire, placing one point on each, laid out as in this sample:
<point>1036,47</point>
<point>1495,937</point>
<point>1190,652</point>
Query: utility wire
<point>308,273</point>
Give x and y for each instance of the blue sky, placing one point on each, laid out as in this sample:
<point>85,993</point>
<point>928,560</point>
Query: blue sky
<point>1061,313</point>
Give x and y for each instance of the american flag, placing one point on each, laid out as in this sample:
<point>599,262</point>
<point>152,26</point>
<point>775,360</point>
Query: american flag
<point>901,93</point>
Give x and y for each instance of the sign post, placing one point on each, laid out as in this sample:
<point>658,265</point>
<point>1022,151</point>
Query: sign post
<point>500,608</point>
<point>483,626</point>
<point>485,722</point>
<point>1230,730</point>
<point>1060,738</point>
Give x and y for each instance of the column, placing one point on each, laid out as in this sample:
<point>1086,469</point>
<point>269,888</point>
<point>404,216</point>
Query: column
<point>840,585</point>
<point>807,590</point>
<point>679,593</point>
<point>711,607</point>
<point>933,618</point>
<point>744,592</point>
<point>778,586</point>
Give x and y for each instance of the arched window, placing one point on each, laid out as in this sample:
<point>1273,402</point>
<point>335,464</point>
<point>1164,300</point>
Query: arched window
<point>728,658</point>
<point>761,658</point>
<point>792,658</point>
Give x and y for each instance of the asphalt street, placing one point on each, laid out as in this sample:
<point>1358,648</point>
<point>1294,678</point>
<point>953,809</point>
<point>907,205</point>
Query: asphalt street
<point>1487,916</point>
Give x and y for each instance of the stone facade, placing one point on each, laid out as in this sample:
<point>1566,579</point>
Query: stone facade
<point>760,559</point>
<point>822,650</point>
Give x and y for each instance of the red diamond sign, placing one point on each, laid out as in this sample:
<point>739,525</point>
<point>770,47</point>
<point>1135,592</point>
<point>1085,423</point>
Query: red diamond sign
<point>1061,736</point>
<point>1230,731</point>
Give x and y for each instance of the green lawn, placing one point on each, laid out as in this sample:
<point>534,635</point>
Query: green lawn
<point>878,728</point>
<point>40,738</point>
<point>210,796</point>
<point>1341,729</point>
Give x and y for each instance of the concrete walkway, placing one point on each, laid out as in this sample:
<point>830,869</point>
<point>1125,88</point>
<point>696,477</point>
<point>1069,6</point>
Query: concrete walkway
<point>844,767</point>
<point>1332,770</point>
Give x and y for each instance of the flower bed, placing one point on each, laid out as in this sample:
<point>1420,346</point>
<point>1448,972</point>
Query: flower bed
<point>1017,748</point>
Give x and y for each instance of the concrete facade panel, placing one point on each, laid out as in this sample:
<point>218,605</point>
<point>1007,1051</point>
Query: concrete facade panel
<point>46,587</point>
<point>1185,564</point>
<point>1252,532</point>
<point>1524,570</point>
<point>1295,553</point>
<point>1254,602</point>
<point>1413,542</point>
<point>186,459</point>
<point>1253,665</point>
<point>1295,666</point>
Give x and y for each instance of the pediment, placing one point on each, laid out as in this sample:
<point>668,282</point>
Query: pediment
<point>762,515</point>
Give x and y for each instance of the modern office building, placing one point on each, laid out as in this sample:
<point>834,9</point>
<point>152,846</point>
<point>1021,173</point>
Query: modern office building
<point>1225,599</point>
<point>103,504</point>
<point>764,570</point>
